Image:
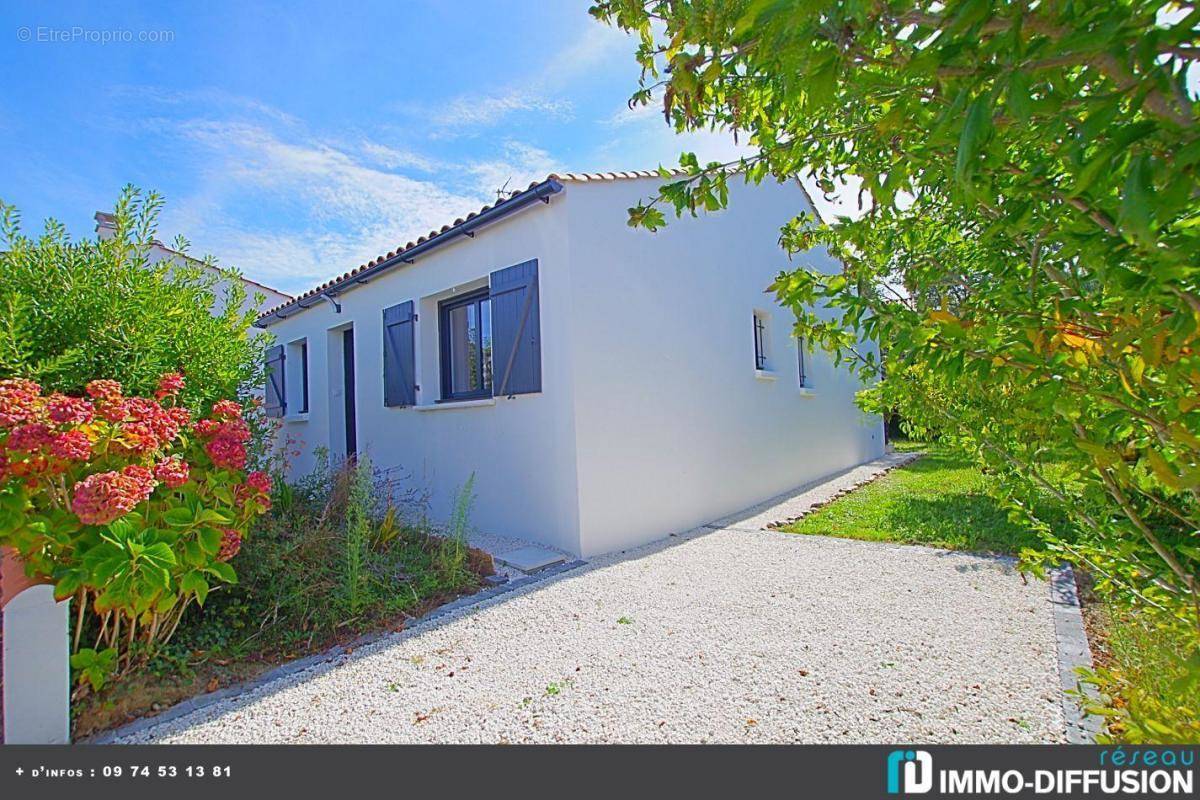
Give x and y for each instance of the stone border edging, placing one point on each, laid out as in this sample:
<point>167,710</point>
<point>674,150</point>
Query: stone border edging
<point>1073,652</point>
<point>432,619</point>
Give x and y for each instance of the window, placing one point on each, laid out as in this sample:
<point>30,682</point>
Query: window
<point>295,381</point>
<point>800,345</point>
<point>761,361</point>
<point>304,377</point>
<point>466,347</point>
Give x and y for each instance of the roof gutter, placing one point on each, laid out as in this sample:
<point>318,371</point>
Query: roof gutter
<point>543,191</point>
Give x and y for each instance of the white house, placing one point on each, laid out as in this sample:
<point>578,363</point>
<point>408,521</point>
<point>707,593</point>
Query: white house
<point>607,386</point>
<point>257,295</point>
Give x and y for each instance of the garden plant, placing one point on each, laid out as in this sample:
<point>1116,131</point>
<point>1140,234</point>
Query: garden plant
<point>73,311</point>
<point>126,505</point>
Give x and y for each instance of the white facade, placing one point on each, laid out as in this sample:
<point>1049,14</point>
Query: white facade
<point>652,417</point>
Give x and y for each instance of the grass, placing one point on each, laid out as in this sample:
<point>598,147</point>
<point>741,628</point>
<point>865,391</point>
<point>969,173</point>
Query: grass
<point>939,500</point>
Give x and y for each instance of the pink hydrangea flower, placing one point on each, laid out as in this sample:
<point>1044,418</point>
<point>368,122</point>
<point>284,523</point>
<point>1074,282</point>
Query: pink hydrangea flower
<point>180,416</point>
<point>105,496</point>
<point>66,410</point>
<point>143,476</point>
<point>235,429</point>
<point>104,390</point>
<point>206,428</point>
<point>259,481</point>
<point>71,446</point>
<point>174,471</point>
<point>169,385</point>
<point>18,401</point>
<point>231,544</point>
<point>226,409</point>
<point>29,438</point>
<point>226,453</point>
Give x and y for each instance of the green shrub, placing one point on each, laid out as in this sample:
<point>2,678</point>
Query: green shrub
<point>72,312</point>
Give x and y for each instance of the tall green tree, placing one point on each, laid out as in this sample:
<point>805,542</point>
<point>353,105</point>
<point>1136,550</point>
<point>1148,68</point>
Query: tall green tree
<point>75,311</point>
<point>1028,250</point>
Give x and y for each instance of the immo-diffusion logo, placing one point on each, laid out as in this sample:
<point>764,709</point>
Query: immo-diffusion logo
<point>909,772</point>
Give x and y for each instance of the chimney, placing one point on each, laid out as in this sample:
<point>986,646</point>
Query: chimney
<point>106,226</point>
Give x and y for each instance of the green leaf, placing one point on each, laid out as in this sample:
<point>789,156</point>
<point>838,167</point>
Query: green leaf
<point>159,554</point>
<point>1137,213</point>
<point>194,582</point>
<point>211,515</point>
<point>193,554</point>
<point>223,571</point>
<point>178,516</point>
<point>68,584</point>
<point>1019,96</point>
<point>210,540</point>
<point>822,84</point>
<point>975,132</point>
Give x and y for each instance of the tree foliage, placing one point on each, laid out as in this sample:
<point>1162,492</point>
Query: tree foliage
<point>1027,249</point>
<point>75,311</point>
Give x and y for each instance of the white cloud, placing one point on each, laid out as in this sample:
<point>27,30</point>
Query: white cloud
<point>516,167</point>
<point>632,115</point>
<point>472,111</point>
<point>598,45</point>
<point>293,209</point>
<point>330,210</point>
<point>397,158</point>
<point>542,93</point>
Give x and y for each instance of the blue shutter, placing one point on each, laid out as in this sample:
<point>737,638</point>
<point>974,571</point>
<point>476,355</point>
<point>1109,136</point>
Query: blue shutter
<point>516,330</point>
<point>276,392</point>
<point>399,357</point>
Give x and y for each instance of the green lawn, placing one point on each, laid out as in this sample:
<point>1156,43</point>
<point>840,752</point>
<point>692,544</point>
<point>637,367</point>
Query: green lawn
<point>940,500</point>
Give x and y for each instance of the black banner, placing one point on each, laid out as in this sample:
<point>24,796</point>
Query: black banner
<point>854,771</point>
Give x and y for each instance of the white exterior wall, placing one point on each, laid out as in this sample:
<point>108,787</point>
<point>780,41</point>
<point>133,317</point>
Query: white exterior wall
<point>674,429</point>
<point>651,418</point>
<point>521,450</point>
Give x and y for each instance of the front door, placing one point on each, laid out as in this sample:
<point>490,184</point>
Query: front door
<point>348,391</point>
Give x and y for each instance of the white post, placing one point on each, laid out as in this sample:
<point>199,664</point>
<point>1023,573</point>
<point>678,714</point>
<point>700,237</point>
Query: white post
<point>37,670</point>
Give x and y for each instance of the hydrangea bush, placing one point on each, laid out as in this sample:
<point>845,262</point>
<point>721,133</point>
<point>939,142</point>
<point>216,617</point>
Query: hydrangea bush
<point>126,504</point>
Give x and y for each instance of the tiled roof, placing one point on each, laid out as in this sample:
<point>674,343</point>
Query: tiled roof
<point>566,177</point>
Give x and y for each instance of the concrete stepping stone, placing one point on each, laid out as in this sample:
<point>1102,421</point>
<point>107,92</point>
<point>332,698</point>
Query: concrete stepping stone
<point>530,559</point>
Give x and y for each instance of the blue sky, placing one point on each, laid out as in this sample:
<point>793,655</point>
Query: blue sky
<point>297,140</point>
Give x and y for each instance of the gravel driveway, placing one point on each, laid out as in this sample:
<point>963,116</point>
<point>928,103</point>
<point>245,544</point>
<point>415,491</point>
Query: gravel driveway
<point>720,635</point>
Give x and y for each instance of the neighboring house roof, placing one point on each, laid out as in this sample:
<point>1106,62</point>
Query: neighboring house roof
<point>106,220</point>
<point>463,226</point>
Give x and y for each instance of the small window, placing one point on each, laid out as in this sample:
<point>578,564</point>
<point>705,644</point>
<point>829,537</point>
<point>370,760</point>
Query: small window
<point>466,347</point>
<point>304,377</point>
<point>296,379</point>
<point>800,347</point>
<point>762,360</point>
